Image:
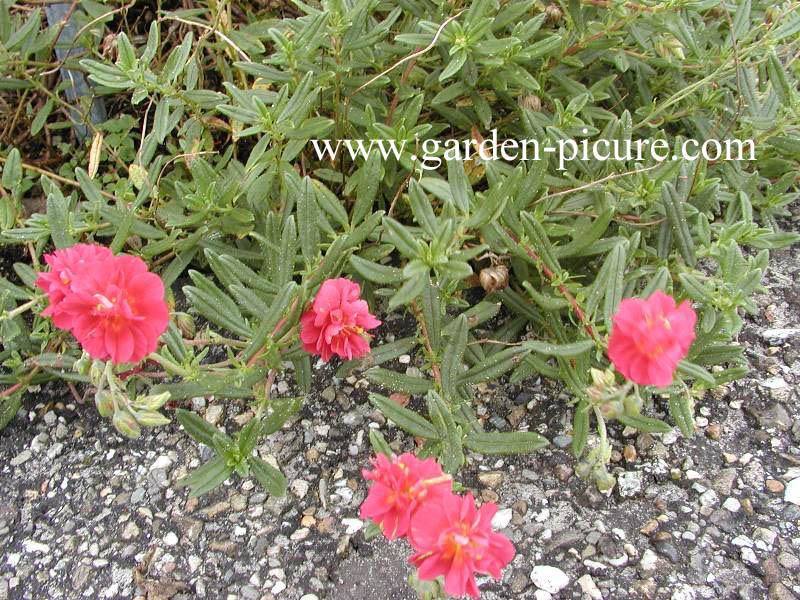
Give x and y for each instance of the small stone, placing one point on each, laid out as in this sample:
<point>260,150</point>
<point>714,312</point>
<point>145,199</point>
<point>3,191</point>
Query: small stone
<point>709,498</point>
<point>300,534</point>
<point>162,462</point>
<point>778,591</point>
<point>775,415</point>
<point>248,592</point>
<point>194,563</point>
<point>714,431</point>
<point>780,335</point>
<point>352,526</point>
<point>732,505</point>
<point>328,394</point>
<point>549,579</point>
<point>130,531</point>
<point>562,441</point>
<point>492,479</point>
<point>630,456</point>
<point>723,482</point>
<point>50,418</point>
<point>765,535</point>
<point>649,561</point>
<point>650,527</point>
<point>502,518</point>
<point>214,413</point>
<point>32,546</point>
<point>563,472</point>
<point>629,484</point>
<point>774,486</point>
<point>749,556</point>
<point>20,458</point>
<point>789,561</point>
<point>792,492</point>
<point>308,521</point>
<point>170,539</point>
<point>669,550</point>
<point>590,588</point>
<point>299,488</point>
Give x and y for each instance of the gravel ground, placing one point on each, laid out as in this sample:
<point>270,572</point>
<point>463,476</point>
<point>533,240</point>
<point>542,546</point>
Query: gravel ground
<point>86,514</point>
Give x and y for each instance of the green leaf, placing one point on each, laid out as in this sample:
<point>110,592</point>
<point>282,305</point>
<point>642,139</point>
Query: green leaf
<point>694,371</point>
<point>367,187</point>
<point>453,358</point>
<point>12,171</point>
<point>307,221</point>
<point>681,410</point>
<point>580,428</point>
<point>375,272</point>
<point>432,315</point>
<point>398,381</point>
<point>378,443</point>
<point>58,219</point>
<point>451,454</point>
<point>377,355</point>
<point>9,407</point>
<point>518,442</point>
<point>646,424</point>
<point>401,237</point>
<point>571,349</point>
<point>673,207</point>
<point>197,427</point>
<point>460,188</point>
<point>493,367</point>
<point>207,477</point>
<point>405,419</point>
<point>410,290</point>
<point>270,478</point>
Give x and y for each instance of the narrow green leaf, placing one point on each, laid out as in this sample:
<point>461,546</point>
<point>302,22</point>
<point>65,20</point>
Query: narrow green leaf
<point>405,419</point>
<point>272,480</point>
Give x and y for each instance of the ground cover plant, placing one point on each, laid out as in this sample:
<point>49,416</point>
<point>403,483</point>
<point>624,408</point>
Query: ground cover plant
<point>196,243</point>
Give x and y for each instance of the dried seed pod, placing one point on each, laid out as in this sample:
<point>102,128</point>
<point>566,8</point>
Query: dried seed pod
<point>494,278</point>
<point>531,102</point>
<point>553,12</point>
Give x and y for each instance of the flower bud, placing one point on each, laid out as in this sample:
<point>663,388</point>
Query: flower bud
<point>612,409</point>
<point>185,323</point>
<point>83,365</point>
<point>151,418</point>
<point>104,403</point>
<point>633,405</point>
<point>494,278</point>
<point>96,370</point>
<point>126,424</point>
<point>604,480</point>
<point>154,401</point>
<point>583,470</point>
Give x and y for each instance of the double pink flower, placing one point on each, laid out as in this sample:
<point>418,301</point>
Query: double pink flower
<point>649,337</point>
<point>337,321</point>
<point>452,538</point>
<point>112,304</point>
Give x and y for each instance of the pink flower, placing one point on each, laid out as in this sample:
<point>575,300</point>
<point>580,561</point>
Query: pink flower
<point>402,484</point>
<point>337,321</point>
<point>649,338</point>
<point>455,540</point>
<point>66,265</point>
<point>116,309</point>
